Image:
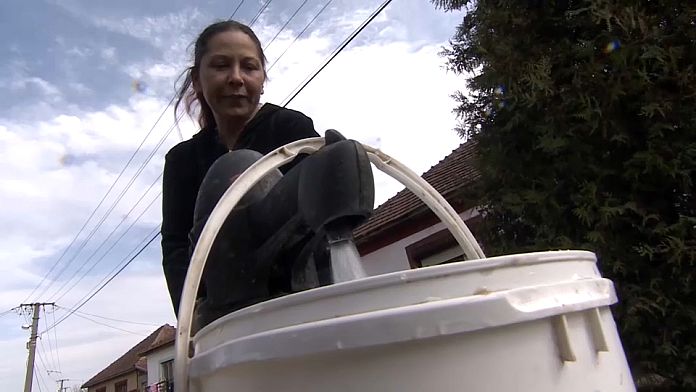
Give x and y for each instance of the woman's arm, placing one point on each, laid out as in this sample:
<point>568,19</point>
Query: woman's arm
<point>178,200</point>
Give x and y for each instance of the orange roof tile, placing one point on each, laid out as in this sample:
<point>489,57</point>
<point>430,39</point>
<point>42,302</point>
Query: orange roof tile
<point>449,175</point>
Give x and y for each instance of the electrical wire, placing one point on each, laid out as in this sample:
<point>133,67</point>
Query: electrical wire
<point>258,14</point>
<point>110,319</point>
<point>37,371</point>
<point>37,380</point>
<point>114,204</point>
<point>42,350</point>
<point>127,164</point>
<point>116,180</point>
<point>94,211</point>
<point>83,301</point>
<point>299,35</point>
<point>55,341</point>
<point>285,25</point>
<point>236,9</point>
<point>50,345</point>
<point>106,240</point>
<point>293,95</point>
<point>108,325</point>
<point>345,43</point>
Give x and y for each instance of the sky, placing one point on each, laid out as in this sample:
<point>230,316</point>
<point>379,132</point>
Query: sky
<point>71,120</point>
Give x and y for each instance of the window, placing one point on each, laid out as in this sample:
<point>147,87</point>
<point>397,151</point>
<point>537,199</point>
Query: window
<point>101,389</point>
<point>121,386</point>
<point>167,371</point>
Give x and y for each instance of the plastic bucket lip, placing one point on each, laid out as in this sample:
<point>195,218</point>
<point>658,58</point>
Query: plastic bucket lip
<point>399,277</point>
<point>409,323</point>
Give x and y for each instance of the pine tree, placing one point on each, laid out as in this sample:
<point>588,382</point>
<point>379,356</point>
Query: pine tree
<point>585,117</point>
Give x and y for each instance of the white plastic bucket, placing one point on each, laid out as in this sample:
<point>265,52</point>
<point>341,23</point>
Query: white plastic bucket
<point>529,322</point>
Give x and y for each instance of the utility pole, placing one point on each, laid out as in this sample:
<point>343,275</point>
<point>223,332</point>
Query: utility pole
<point>61,381</point>
<point>31,345</point>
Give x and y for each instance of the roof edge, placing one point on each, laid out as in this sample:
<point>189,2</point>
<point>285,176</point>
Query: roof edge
<point>93,383</point>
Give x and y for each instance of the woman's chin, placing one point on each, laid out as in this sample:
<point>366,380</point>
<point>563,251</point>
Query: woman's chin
<point>238,114</point>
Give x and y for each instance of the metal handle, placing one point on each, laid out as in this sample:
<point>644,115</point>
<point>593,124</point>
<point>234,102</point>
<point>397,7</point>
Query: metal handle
<point>247,180</point>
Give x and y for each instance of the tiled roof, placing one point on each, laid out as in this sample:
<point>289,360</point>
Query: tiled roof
<point>167,337</point>
<point>131,360</point>
<point>449,175</point>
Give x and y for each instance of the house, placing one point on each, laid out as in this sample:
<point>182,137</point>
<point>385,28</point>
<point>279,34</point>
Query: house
<point>160,364</point>
<point>129,372</point>
<point>403,233</point>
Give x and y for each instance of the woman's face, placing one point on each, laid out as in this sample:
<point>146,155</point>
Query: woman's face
<point>231,76</point>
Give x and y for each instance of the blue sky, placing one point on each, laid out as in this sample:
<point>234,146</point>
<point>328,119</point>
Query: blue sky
<point>70,119</point>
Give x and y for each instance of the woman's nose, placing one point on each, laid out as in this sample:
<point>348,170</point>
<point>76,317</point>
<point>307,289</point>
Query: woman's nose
<point>234,76</point>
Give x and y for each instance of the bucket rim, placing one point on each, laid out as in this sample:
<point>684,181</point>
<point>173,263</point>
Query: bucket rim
<point>409,323</point>
<point>399,277</point>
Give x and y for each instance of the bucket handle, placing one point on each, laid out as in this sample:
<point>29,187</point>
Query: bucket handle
<point>248,179</point>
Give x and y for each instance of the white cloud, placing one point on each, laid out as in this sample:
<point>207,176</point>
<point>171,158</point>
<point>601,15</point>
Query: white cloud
<point>79,51</point>
<point>45,88</point>
<point>108,54</point>
<point>157,31</point>
<point>388,94</point>
<point>53,172</point>
<point>80,88</point>
<point>165,71</point>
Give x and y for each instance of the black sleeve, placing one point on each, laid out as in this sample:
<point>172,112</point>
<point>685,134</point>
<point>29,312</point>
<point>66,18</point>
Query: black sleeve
<point>298,126</point>
<point>178,200</point>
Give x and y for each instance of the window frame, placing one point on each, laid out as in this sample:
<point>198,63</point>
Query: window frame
<point>121,384</point>
<point>168,364</point>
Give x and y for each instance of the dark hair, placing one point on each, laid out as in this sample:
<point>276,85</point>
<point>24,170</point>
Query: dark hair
<point>186,93</point>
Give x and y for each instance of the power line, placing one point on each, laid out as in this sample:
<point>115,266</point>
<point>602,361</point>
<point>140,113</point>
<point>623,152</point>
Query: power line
<point>107,325</point>
<point>345,43</point>
<point>258,14</point>
<point>155,232</point>
<point>108,237</point>
<point>55,335</point>
<point>115,181</point>
<point>41,353</point>
<point>237,9</point>
<point>76,308</point>
<point>39,372</point>
<point>111,319</point>
<point>114,204</point>
<point>91,215</point>
<point>285,25</point>
<point>299,35</point>
<point>132,179</point>
<point>39,379</point>
<point>113,245</point>
<point>50,345</point>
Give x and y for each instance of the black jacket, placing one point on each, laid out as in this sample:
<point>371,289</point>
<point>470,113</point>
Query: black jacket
<point>187,163</point>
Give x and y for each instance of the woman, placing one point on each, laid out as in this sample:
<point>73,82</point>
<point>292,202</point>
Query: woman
<point>226,80</point>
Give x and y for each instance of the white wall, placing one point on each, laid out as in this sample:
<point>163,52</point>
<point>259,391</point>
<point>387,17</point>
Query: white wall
<point>154,359</point>
<point>393,257</point>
